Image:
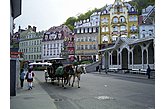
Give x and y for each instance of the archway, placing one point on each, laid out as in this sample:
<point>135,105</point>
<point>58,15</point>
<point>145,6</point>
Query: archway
<point>145,57</point>
<point>125,58</point>
<point>130,58</point>
<point>151,53</point>
<point>114,57</point>
<point>137,55</point>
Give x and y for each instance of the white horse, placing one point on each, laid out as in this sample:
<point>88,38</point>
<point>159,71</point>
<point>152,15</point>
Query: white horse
<point>78,70</point>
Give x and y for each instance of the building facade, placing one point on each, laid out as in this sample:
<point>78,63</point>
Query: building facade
<point>147,22</point>
<point>129,53</point>
<point>86,42</point>
<point>69,47</point>
<point>30,44</point>
<point>133,53</point>
<point>117,20</point>
<point>53,42</point>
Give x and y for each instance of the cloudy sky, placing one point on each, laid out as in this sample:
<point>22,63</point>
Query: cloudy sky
<point>47,13</point>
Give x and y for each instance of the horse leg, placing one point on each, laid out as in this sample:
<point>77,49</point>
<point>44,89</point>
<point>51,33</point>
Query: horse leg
<point>73,80</point>
<point>70,79</point>
<point>78,81</point>
<point>62,82</point>
<point>58,81</point>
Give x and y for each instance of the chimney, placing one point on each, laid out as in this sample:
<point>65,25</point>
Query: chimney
<point>34,29</point>
<point>29,27</point>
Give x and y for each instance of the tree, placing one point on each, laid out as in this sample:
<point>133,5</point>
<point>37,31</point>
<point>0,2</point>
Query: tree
<point>70,22</point>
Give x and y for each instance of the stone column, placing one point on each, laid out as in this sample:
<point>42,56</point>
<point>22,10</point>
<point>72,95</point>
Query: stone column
<point>142,58</point>
<point>121,59</point>
<point>108,59</point>
<point>132,60</point>
<point>147,56</point>
<point>128,58</point>
<point>117,58</point>
<point>111,59</point>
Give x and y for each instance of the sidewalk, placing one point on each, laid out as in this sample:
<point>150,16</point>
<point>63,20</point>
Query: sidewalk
<point>129,75</point>
<point>37,98</point>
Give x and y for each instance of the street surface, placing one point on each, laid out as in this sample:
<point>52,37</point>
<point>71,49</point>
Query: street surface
<point>101,91</point>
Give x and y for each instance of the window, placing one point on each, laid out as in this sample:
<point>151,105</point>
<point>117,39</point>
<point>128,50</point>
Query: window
<point>82,47</point>
<point>94,29</point>
<point>86,39</point>
<point>103,29</point>
<point>122,19</point>
<point>105,38</point>
<point>133,28</point>
<point>114,38</point>
<point>94,46</point>
<point>86,46</point>
<point>86,30</point>
<point>82,30</point>
<point>90,46</point>
<point>115,20</point>
<point>78,31</point>
<point>106,29</point>
<point>90,30</point>
<point>115,28</point>
<point>123,28</point>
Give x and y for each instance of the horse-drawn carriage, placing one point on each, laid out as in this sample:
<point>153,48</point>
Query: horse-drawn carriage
<point>58,71</point>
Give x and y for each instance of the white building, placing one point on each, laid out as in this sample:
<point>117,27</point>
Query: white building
<point>147,22</point>
<point>53,42</point>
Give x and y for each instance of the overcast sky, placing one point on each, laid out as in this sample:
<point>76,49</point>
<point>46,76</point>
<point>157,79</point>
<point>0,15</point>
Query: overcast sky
<point>47,13</point>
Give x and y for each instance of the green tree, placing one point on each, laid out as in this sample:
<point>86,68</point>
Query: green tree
<point>70,22</point>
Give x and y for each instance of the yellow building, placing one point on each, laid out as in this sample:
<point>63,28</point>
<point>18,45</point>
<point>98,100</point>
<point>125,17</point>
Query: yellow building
<point>117,20</point>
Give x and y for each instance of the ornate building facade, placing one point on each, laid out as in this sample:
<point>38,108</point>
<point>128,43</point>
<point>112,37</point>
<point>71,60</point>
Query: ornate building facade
<point>128,53</point>
<point>117,20</point>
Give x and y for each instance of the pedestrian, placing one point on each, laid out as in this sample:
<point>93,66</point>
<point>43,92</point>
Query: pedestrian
<point>22,77</point>
<point>29,77</point>
<point>148,71</point>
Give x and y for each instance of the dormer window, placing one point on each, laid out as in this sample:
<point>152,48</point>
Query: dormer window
<point>59,35</point>
<point>46,37</point>
<point>132,9</point>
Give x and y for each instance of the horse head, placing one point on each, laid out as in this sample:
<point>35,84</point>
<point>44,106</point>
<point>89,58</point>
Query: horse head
<point>81,69</point>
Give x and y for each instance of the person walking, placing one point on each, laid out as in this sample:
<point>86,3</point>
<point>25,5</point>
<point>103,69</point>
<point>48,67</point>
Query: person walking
<point>29,77</point>
<point>148,71</point>
<point>22,77</point>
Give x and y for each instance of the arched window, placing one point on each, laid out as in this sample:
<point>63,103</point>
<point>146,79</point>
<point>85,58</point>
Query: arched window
<point>115,20</point>
<point>122,19</point>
